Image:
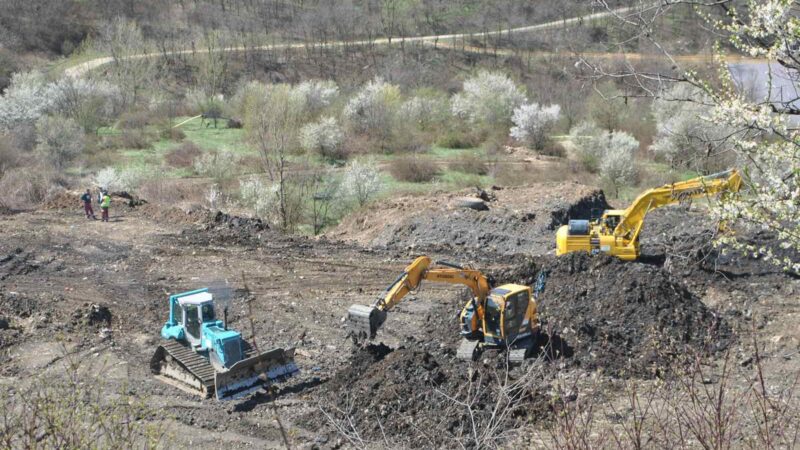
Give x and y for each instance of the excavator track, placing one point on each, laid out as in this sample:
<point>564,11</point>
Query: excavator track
<point>178,365</point>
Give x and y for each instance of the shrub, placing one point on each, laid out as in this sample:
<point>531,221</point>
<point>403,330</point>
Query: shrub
<point>372,109</point>
<point>684,133</point>
<point>617,164</point>
<point>137,139</point>
<point>25,100</point>
<point>184,155</point>
<point>423,112</point>
<point>413,169</point>
<point>173,134</point>
<point>361,181</point>
<point>92,103</point>
<point>10,156</point>
<point>584,137</point>
<point>219,165</point>
<point>26,186</point>
<point>533,123</point>
<point>470,163</point>
<point>458,139</point>
<point>128,179</point>
<point>135,120</point>
<point>324,137</point>
<point>488,100</point>
<point>108,178</point>
<point>59,140</point>
<point>315,95</point>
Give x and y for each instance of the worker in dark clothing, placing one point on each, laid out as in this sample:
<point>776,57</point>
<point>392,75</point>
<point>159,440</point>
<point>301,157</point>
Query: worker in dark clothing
<point>87,205</point>
<point>104,205</point>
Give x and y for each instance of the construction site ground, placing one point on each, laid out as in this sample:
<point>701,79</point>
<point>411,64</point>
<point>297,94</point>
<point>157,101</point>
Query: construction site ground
<point>75,288</point>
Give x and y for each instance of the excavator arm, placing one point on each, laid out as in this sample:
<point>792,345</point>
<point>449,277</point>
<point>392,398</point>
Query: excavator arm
<point>366,320</point>
<point>633,217</point>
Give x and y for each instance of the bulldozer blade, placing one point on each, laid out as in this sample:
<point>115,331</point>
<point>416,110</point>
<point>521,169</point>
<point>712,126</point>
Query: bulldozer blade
<point>247,375</point>
<point>365,320</point>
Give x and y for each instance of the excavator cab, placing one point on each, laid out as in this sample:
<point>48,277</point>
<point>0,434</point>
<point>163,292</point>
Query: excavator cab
<point>509,315</point>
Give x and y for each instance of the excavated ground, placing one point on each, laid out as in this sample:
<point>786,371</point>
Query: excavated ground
<point>98,292</point>
<point>516,220</point>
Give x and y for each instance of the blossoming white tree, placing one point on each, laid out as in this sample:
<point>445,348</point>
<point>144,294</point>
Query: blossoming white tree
<point>488,99</point>
<point>362,181</point>
<point>372,109</point>
<point>685,136</point>
<point>25,100</point>
<point>324,137</point>
<point>533,122</point>
<point>617,164</point>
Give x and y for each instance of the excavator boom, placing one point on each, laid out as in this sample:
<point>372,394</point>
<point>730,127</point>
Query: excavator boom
<point>366,320</point>
<point>633,216</point>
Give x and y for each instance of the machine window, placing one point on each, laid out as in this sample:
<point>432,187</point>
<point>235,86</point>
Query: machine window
<point>208,312</point>
<point>493,317</point>
<point>192,320</point>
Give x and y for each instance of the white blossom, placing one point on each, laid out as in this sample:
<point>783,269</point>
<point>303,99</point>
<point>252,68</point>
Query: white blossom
<point>489,99</point>
<point>533,122</point>
<point>25,100</point>
<point>362,181</point>
<point>324,136</point>
<point>316,94</point>
<point>372,109</point>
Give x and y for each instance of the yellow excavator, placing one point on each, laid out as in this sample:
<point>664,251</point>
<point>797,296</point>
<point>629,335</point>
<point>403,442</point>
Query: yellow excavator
<point>616,231</point>
<point>503,317</point>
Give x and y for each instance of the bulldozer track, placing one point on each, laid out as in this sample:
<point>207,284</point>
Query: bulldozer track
<point>193,363</point>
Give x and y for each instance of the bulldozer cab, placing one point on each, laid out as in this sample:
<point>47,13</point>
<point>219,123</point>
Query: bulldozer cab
<point>509,313</point>
<point>196,310</point>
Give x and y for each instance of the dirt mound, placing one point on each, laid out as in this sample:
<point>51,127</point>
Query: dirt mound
<point>223,220</point>
<point>407,393</point>
<point>627,318</point>
<point>62,200</point>
<point>518,220</point>
<point>172,214</point>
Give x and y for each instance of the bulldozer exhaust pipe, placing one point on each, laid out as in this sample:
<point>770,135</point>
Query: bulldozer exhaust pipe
<point>365,321</point>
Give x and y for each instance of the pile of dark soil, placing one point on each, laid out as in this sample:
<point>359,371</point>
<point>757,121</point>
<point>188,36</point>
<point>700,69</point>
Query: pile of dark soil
<point>223,220</point>
<point>581,209</point>
<point>627,318</point>
<point>410,397</point>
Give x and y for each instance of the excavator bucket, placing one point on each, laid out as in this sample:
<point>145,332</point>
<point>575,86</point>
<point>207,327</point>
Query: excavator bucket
<point>365,320</point>
<point>246,376</point>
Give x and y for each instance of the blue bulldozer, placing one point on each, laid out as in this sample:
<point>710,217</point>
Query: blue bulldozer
<point>199,354</point>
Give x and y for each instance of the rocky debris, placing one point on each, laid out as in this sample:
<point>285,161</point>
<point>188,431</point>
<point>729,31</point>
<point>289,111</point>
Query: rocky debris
<point>92,315</point>
<point>17,262</point>
<point>17,305</point>
<point>627,318</point>
<point>4,325</point>
<point>221,219</point>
